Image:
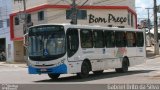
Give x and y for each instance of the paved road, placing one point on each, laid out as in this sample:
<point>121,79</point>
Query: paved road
<point>145,73</point>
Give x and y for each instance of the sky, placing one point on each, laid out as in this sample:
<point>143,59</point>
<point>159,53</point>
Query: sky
<point>142,12</point>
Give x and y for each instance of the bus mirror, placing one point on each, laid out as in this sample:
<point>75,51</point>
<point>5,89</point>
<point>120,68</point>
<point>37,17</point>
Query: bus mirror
<point>25,41</point>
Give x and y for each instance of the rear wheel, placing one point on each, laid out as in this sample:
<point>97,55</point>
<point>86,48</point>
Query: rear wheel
<point>124,68</point>
<point>84,70</point>
<point>98,72</point>
<point>53,76</point>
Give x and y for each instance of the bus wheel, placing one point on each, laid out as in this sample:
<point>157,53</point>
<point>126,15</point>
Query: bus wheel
<point>84,70</point>
<point>98,72</point>
<point>53,76</point>
<point>124,68</point>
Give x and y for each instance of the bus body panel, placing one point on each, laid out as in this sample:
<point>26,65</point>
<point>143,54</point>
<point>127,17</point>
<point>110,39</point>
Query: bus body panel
<point>111,61</point>
<point>139,58</point>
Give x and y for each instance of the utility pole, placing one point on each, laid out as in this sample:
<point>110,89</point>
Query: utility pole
<point>156,45</point>
<point>25,18</point>
<point>74,13</point>
<point>148,21</point>
<point>148,18</point>
<point>149,25</point>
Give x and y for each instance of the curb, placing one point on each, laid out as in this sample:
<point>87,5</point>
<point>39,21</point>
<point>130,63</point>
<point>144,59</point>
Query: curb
<point>153,57</point>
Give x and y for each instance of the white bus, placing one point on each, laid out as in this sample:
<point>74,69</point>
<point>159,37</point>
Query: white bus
<point>56,49</point>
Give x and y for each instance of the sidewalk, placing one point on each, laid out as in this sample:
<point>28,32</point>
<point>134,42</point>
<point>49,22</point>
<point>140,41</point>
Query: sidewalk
<point>16,64</point>
<point>150,53</point>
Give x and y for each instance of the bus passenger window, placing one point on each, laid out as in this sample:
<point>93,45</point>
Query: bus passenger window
<point>98,39</point>
<point>109,38</point>
<point>131,39</point>
<point>120,38</point>
<point>86,38</point>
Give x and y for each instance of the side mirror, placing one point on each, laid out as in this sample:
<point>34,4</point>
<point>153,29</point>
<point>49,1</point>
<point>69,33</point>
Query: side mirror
<point>25,41</point>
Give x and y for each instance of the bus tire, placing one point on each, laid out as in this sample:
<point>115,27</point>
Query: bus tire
<point>53,76</point>
<point>84,70</point>
<point>98,72</point>
<point>125,64</point>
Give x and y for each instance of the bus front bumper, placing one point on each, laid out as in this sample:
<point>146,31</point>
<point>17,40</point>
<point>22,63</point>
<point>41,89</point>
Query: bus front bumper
<point>61,69</point>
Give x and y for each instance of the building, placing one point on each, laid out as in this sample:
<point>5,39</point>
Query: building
<point>112,13</point>
<point>6,44</point>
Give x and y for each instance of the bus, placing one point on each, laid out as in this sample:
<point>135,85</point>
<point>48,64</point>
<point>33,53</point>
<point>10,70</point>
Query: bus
<point>56,49</point>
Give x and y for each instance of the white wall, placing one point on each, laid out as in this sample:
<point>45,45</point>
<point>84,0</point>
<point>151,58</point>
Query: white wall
<point>59,16</point>
<point>6,8</point>
<point>33,3</point>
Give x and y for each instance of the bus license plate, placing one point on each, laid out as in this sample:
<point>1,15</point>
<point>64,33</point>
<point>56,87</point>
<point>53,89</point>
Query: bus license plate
<point>43,70</point>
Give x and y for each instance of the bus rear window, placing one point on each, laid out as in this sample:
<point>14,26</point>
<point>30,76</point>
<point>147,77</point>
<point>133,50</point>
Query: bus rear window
<point>140,39</point>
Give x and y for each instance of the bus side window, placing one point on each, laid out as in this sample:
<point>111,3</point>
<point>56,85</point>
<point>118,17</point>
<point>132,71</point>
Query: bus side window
<point>109,38</point>
<point>120,38</point>
<point>98,39</point>
<point>72,41</point>
<point>139,39</point>
<point>131,39</point>
<point>86,38</point>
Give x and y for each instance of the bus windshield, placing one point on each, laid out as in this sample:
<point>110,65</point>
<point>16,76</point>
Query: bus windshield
<point>46,42</point>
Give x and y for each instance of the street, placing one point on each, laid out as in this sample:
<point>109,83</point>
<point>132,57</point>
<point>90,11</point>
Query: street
<point>148,72</point>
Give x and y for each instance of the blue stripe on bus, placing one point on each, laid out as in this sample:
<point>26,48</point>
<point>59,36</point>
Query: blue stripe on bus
<point>62,69</point>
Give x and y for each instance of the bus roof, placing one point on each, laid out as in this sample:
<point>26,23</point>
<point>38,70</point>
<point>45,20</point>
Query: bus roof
<point>68,25</point>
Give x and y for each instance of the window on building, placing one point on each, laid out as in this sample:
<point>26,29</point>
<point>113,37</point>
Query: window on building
<point>131,39</point>
<point>17,0</point>
<point>132,20</point>
<point>120,39</point>
<point>82,14</point>
<point>68,14</point>
<point>16,21</point>
<point>129,18</point>
<point>86,38</point>
<point>41,15</point>
<point>1,23</point>
<point>98,39</point>
<point>139,39</point>
<point>29,18</point>
<point>109,38</point>
<point>8,22</point>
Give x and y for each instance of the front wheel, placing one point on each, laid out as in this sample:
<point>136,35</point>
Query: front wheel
<point>53,76</point>
<point>84,70</point>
